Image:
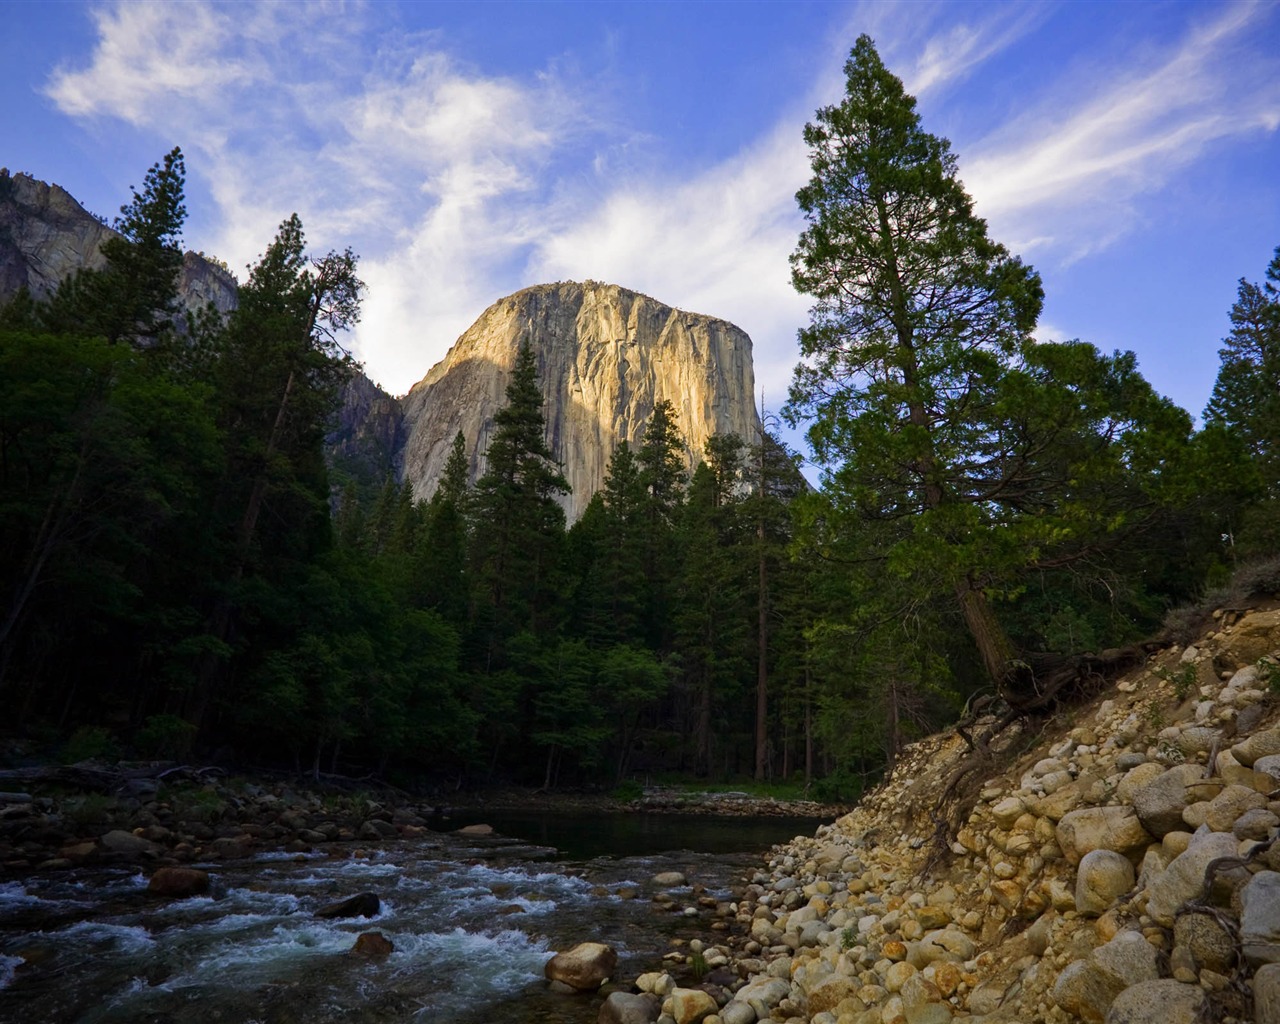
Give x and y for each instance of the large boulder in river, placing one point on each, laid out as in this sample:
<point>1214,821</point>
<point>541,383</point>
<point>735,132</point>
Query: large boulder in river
<point>372,944</point>
<point>585,967</point>
<point>178,883</point>
<point>365,904</point>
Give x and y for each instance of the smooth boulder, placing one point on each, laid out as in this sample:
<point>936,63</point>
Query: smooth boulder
<point>1115,828</point>
<point>1158,1002</point>
<point>1102,878</point>
<point>583,968</point>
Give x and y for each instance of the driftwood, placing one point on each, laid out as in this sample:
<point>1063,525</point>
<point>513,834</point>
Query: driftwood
<point>103,778</point>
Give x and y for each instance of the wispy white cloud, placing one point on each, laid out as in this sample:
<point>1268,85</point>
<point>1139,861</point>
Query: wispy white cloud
<point>430,169</point>
<point>1066,177</point>
<point>148,53</point>
<point>460,186</point>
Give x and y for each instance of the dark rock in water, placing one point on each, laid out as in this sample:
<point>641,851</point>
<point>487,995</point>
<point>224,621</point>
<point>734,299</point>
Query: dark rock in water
<point>179,882</point>
<point>365,904</point>
<point>476,830</point>
<point>372,944</point>
<point>626,1008</point>
<point>584,968</point>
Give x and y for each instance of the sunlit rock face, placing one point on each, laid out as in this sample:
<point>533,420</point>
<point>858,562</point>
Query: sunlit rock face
<point>606,356</point>
<point>45,235</point>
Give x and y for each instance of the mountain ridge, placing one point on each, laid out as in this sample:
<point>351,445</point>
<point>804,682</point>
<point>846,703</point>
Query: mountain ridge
<point>607,354</point>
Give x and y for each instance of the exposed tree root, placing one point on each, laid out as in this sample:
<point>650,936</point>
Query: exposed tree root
<point>1032,690</point>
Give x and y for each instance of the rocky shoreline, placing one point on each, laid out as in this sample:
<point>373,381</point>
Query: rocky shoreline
<point>1124,868</point>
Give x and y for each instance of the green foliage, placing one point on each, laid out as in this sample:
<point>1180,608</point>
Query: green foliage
<point>518,525</point>
<point>1269,670</point>
<point>169,563</point>
<point>627,791</point>
<point>841,786</point>
<point>1183,680</point>
<point>90,743</point>
<point>196,804</point>
<point>1246,404</point>
<point>89,810</point>
<point>165,736</point>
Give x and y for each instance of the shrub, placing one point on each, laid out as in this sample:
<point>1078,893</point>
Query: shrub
<point>166,736</point>
<point>627,791</point>
<point>90,742</point>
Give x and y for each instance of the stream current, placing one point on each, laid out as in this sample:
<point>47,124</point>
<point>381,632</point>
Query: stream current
<point>473,921</point>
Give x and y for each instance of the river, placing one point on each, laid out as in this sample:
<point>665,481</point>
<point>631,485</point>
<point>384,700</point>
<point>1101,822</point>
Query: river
<point>473,921</point>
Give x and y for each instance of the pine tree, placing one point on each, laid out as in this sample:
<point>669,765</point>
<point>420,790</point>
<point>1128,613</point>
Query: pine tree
<point>711,631</point>
<point>1246,398</point>
<point>519,525</point>
<point>930,406</point>
<point>660,477</point>
<point>135,296</point>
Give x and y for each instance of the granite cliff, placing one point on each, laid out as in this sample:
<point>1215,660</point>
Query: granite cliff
<point>45,235</point>
<point>606,356</point>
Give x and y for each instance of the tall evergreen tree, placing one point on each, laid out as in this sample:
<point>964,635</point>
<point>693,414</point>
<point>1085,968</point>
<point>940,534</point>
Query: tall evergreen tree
<point>929,403</point>
<point>660,476</point>
<point>772,475</point>
<point>135,296</point>
<point>519,525</point>
<point>277,370</point>
<point>444,552</point>
<point>1246,397</point>
<point>711,624</point>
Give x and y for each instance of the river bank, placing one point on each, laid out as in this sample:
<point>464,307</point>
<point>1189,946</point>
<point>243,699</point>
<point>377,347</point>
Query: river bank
<point>174,815</point>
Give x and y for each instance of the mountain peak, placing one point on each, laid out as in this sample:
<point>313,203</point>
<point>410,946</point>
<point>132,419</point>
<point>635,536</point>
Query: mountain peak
<point>606,356</point>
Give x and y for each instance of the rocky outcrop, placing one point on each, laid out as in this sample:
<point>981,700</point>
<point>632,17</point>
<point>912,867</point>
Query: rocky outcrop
<point>606,356</point>
<point>367,433</point>
<point>45,235</point>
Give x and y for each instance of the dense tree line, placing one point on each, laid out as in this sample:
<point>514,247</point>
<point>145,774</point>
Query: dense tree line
<point>176,576</point>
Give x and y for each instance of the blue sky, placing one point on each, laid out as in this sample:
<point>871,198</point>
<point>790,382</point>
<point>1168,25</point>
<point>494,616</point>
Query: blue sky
<point>1129,151</point>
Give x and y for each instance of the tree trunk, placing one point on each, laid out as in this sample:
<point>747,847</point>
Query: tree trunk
<point>894,738</point>
<point>762,650</point>
<point>546,775</point>
<point>808,733</point>
<point>703,762</point>
<point>993,643</point>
